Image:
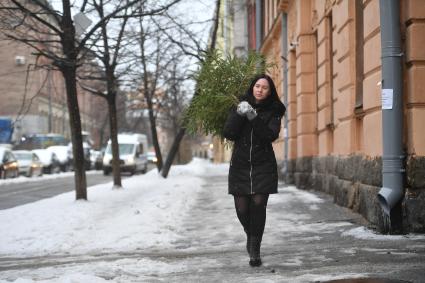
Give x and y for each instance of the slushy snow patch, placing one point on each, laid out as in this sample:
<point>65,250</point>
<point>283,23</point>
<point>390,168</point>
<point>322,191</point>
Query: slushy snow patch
<point>72,278</point>
<point>366,234</point>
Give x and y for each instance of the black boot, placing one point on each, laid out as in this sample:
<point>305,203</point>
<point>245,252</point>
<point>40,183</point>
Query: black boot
<point>254,251</point>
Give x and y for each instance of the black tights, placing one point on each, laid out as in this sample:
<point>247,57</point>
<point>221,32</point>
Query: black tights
<point>251,211</point>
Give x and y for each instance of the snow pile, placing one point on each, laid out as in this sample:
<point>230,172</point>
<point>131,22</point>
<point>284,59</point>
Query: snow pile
<point>71,278</point>
<point>300,195</point>
<point>366,234</point>
<point>23,179</point>
<point>143,214</point>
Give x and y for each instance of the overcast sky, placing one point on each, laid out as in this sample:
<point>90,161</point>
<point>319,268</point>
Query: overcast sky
<point>200,9</point>
<point>200,12</point>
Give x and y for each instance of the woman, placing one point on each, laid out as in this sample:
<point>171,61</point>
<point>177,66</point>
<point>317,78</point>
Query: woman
<point>253,126</point>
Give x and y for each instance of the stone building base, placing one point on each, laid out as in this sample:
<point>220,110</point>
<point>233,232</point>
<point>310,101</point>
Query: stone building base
<point>355,181</point>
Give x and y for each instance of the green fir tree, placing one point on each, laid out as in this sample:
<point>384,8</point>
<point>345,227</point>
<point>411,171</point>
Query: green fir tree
<point>221,81</point>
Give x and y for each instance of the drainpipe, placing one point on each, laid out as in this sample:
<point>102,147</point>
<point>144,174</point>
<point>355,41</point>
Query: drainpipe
<point>258,29</point>
<point>285,89</point>
<point>392,106</point>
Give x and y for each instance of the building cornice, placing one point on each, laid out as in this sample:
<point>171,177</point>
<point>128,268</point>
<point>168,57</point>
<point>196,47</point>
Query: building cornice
<point>272,34</point>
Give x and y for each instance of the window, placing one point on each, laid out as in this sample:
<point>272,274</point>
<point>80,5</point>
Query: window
<point>8,157</point>
<point>359,54</point>
<point>35,157</point>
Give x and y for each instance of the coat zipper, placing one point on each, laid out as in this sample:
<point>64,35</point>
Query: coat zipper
<point>250,161</point>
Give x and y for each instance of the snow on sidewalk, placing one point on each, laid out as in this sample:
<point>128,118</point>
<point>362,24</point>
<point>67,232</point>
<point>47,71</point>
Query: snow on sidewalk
<point>141,215</point>
<point>184,229</point>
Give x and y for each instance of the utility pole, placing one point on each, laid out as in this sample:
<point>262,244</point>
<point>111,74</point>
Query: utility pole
<point>49,93</point>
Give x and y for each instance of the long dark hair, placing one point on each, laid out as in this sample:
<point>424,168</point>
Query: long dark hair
<point>273,99</point>
<point>273,93</point>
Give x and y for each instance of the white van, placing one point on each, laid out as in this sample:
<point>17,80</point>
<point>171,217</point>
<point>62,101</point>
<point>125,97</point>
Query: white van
<point>133,154</point>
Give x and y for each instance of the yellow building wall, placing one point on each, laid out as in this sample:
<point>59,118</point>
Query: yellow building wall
<point>334,109</point>
<point>323,75</point>
<point>414,16</point>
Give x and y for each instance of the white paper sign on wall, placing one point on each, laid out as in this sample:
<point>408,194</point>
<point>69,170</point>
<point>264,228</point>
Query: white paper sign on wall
<point>387,98</point>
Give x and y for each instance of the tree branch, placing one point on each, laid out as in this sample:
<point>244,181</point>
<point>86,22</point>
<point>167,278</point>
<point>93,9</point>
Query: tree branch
<point>36,17</point>
<point>114,15</point>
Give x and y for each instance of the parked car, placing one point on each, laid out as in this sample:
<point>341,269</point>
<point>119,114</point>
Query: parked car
<point>96,158</point>
<point>49,159</point>
<point>62,154</point>
<point>28,162</point>
<point>8,164</point>
<point>152,157</point>
<point>132,149</point>
<point>36,166</point>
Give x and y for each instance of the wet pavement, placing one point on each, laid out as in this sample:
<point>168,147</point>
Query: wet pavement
<point>307,239</point>
<point>366,280</point>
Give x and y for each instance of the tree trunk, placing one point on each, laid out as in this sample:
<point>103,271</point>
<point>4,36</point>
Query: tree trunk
<point>172,153</point>
<point>113,126</point>
<point>76,136</point>
<point>155,141</point>
<point>69,70</point>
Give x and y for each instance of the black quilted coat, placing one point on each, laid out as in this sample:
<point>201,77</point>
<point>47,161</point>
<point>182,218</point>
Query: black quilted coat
<point>253,168</point>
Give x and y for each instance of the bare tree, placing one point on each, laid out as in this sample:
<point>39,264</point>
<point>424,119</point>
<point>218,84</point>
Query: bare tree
<point>155,54</point>
<point>108,52</point>
<point>163,49</point>
<point>175,98</point>
<point>150,82</point>
<point>182,131</point>
<point>52,35</point>
<point>112,53</point>
<point>163,71</point>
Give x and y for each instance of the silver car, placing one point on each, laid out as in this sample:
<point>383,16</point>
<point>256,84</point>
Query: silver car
<point>50,162</point>
<point>8,164</point>
<point>29,163</point>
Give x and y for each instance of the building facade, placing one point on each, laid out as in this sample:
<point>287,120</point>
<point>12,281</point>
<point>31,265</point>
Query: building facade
<point>329,72</point>
<point>35,99</point>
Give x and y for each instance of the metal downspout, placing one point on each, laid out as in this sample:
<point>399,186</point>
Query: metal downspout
<point>392,106</point>
<point>258,29</point>
<point>285,89</point>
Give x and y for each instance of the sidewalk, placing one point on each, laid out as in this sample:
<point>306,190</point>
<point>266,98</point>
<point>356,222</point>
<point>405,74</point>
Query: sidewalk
<point>307,239</point>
